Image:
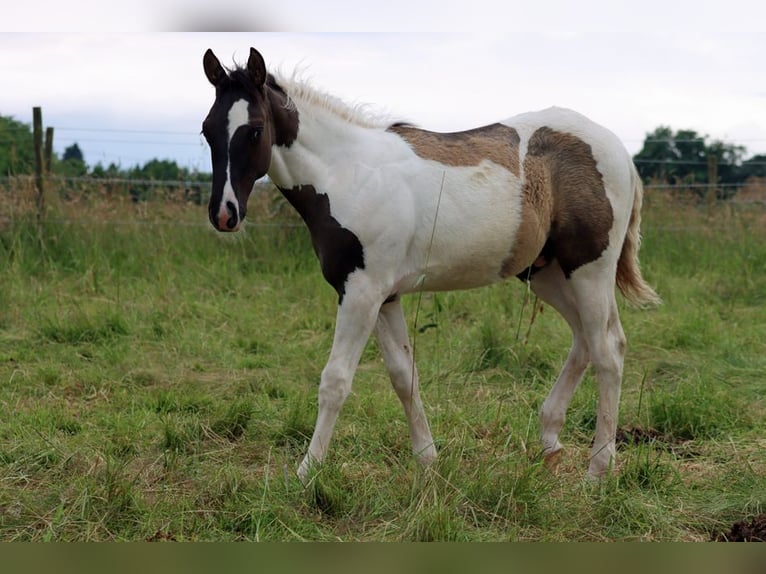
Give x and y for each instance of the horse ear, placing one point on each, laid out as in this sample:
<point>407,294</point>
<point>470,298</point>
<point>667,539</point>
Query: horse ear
<point>256,67</point>
<point>213,68</point>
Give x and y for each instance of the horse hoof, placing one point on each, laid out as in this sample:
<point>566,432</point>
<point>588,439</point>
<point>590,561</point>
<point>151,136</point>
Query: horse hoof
<point>553,459</point>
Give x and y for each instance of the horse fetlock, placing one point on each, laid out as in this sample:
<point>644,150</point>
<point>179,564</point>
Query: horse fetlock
<point>426,456</point>
<point>305,469</point>
<point>602,461</point>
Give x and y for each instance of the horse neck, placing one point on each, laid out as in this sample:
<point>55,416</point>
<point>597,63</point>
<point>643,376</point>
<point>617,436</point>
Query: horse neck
<point>325,142</point>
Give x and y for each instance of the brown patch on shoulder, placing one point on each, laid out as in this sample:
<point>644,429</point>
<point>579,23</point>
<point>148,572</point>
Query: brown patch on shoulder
<point>566,214</point>
<point>496,142</point>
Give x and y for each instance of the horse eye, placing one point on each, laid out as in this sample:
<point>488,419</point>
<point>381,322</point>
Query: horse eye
<point>257,131</point>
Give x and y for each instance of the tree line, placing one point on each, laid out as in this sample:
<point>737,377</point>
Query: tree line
<point>17,158</point>
<point>667,156</point>
<point>686,157</point>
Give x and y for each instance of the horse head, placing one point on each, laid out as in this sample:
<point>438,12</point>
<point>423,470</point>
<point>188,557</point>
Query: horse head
<point>240,131</point>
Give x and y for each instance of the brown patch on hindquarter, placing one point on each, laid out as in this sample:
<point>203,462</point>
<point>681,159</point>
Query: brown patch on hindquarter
<point>566,214</point>
<point>536,208</point>
<point>496,142</point>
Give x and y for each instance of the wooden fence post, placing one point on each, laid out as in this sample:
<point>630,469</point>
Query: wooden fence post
<point>48,149</point>
<point>712,178</point>
<point>37,133</point>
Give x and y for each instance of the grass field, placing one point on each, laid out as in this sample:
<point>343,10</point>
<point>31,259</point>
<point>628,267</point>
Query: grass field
<point>158,382</point>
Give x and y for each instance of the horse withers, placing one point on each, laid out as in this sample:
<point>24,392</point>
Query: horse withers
<point>549,197</point>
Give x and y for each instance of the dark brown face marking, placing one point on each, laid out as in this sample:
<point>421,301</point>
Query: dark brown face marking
<point>566,214</point>
<point>496,142</point>
<point>339,251</point>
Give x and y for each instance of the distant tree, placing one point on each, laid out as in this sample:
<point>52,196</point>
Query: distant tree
<point>153,170</point>
<point>72,163</point>
<point>156,169</point>
<point>753,167</point>
<point>112,171</point>
<point>140,186</point>
<point>17,155</point>
<point>73,153</point>
<point>729,159</point>
<point>672,157</point>
<point>682,157</point>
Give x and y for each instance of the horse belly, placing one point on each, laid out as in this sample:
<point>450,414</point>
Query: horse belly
<point>467,275</point>
<point>471,239</point>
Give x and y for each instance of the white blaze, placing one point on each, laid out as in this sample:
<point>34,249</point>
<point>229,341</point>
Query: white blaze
<point>238,117</point>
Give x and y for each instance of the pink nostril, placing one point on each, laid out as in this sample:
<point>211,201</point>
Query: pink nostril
<point>228,219</point>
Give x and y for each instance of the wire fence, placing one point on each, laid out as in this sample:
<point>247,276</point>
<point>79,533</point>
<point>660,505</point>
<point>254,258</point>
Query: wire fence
<point>137,189</point>
<point>108,140</point>
<point>198,190</point>
<point>272,210</point>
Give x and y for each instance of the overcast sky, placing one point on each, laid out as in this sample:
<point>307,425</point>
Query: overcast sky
<point>130,93</point>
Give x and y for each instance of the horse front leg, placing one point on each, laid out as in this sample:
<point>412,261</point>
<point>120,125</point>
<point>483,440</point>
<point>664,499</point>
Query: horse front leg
<point>355,320</point>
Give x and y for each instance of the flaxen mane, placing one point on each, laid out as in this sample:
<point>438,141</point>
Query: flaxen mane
<point>301,93</point>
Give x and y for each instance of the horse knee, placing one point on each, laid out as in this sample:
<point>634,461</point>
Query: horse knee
<point>334,387</point>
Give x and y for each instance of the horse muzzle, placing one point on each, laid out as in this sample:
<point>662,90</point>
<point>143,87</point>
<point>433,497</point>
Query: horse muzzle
<point>227,219</point>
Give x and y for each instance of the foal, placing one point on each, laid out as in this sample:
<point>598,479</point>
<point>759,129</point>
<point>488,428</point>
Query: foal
<point>549,197</point>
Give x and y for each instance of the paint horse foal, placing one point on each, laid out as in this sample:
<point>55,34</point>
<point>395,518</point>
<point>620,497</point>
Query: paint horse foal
<point>548,197</point>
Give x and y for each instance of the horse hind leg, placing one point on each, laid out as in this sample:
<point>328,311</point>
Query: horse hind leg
<point>593,286</point>
<point>552,287</point>
<point>391,332</point>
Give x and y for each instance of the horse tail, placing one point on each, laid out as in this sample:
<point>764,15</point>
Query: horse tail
<point>629,279</point>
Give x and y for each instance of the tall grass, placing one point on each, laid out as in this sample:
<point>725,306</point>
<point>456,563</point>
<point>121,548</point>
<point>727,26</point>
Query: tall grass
<point>158,381</point>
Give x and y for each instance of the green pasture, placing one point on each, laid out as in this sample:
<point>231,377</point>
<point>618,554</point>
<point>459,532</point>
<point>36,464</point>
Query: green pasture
<point>158,382</point>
